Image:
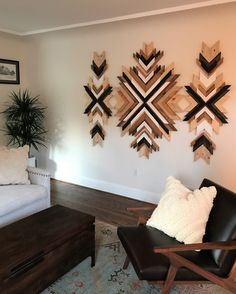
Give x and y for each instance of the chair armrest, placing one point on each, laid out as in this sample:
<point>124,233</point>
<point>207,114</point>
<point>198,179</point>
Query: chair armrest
<point>177,261</point>
<point>224,245</point>
<point>144,208</point>
<point>39,176</point>
<point>142,213</point>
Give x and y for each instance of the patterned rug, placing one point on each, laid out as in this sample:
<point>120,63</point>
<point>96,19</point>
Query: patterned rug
<point>108,277</point>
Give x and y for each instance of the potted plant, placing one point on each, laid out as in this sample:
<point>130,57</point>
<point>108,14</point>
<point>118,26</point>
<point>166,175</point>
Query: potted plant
<point>25,120</point>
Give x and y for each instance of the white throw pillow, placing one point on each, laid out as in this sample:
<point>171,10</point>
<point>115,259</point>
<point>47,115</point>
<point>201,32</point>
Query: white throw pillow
<point>13,164</point>
<point>182,213</point>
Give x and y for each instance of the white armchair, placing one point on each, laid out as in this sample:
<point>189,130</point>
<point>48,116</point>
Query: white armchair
<point>19,201</point>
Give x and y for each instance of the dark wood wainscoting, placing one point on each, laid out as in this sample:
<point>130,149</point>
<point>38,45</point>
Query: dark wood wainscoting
<point>104,206</point>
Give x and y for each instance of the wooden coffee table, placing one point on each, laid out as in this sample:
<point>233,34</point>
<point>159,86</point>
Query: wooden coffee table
<point>37,250</point>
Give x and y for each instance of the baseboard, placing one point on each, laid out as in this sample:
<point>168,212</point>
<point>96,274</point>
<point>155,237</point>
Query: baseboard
<point>117,189</point>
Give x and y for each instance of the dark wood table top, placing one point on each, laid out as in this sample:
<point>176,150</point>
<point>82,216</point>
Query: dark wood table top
<point>38,234</point>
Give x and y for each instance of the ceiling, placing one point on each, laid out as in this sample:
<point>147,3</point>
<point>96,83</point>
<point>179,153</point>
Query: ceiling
<point>25,17</point>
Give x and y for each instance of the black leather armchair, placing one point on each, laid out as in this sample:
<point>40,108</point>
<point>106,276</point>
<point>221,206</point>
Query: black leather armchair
<point>158,257</point>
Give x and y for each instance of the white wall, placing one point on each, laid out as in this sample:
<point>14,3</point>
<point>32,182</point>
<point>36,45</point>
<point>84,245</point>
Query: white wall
<point>13,48</point>
<point>61,66</point>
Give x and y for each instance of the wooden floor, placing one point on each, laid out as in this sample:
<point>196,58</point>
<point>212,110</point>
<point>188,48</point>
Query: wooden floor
<point>104,206</point>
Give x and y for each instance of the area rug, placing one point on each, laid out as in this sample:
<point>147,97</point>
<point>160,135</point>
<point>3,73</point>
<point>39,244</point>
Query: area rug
<point>108,277</point>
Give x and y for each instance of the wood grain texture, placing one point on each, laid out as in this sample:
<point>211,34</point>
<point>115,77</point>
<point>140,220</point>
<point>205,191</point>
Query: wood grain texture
<point>225,245</point>
<point>104,206</point>
<point>146,90</point>
<point>208,90</point>
<point>37,250</point>
<point>99,91</point>
<point>179,261</point>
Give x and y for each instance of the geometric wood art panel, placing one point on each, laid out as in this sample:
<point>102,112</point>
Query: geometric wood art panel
<point>99,90</point>
<point>148,100</point>
<point>208,90</point>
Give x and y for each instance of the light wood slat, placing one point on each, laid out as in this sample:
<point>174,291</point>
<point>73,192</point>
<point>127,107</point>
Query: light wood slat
<point>210,52</point>
<point>208,89</point>
<point>146,94</point>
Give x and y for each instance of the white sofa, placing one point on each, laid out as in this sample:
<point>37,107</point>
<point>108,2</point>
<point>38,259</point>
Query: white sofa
<point>19,201</point>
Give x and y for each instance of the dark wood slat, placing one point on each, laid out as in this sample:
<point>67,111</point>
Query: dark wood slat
<point>105,206</point>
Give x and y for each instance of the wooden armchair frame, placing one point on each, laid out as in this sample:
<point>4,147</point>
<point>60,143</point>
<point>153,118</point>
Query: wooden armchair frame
<point>177,261</point>
<point>142,213</point>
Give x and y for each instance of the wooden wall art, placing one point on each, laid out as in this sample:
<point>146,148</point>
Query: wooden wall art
<point>99,90</point>
<point>148,100</point>
<point>208,90</point>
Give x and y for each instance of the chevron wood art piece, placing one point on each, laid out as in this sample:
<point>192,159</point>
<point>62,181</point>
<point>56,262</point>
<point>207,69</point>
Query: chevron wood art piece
<point>208,90</point>
<point>99,90</point>
<point>148,95</point>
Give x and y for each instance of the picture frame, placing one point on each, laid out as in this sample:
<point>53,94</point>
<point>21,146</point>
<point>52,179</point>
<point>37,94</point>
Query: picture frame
<point>9,71</point>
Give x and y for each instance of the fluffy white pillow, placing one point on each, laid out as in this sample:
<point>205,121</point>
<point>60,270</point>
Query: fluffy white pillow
<point>13,164</point>
<point>182,213</point>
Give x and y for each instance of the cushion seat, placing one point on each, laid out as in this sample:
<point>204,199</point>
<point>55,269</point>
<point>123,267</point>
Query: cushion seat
<point>139,242</point>
<point>14,197</point>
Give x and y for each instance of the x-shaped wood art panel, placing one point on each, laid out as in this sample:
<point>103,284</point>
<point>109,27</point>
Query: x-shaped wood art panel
<point>99,90</point>
<point>208,91</point>
<point>149,100</point>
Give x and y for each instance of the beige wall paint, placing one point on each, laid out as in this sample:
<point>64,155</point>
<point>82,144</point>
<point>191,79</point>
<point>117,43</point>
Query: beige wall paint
<point>13,48</point>
<point>60,66</point>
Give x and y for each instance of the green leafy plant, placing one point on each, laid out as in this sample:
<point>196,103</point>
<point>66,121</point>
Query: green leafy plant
<point>25,120</point>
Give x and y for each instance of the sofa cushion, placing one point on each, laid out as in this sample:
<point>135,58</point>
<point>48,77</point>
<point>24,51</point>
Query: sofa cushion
<point>139,242</point>
<point>13,164</point>
<point>13,197</point>
<point>182,213</point>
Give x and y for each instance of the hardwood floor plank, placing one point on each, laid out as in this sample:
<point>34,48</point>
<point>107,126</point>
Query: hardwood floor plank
<point>104,206</point>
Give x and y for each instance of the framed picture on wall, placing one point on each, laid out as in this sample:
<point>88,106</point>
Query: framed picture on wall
<point>9,72</point>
